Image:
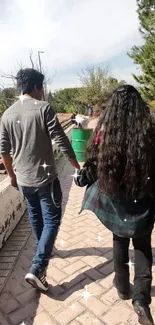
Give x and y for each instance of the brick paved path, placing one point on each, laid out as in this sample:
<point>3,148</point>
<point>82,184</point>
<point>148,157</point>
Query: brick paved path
<point>82,262</point>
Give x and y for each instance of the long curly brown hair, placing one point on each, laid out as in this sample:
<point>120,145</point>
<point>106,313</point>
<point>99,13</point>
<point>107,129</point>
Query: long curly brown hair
<point>126,153</point>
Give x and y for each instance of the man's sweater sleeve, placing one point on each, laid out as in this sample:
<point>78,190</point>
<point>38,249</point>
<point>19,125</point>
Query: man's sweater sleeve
<point>5,145</point>
<point>57,133</point>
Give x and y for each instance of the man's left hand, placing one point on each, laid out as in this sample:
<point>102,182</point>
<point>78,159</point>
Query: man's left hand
<point>13,181</point>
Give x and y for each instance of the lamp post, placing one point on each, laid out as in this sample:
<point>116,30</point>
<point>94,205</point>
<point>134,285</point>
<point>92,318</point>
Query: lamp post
<point>39,60</point>
<point>40,68</point>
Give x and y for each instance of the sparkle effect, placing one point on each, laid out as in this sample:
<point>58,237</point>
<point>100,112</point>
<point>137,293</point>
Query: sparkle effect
<point>21,97</point>
<point>18,121</point>
<point>75,175</point>
<point>86,294</point>
<point>62,242</point>
<point>130,264</point>
<point>125,220</point>
<point>73,307</point>
<point>135,201</point>
<point>99,238</point>
<point>44,165</point>
<point>35,103</point>
<point>148,178</point>
<point>48,174</point>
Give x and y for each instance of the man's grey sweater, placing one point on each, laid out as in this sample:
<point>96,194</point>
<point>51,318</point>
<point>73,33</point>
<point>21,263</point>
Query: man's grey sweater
<point>28,128</point>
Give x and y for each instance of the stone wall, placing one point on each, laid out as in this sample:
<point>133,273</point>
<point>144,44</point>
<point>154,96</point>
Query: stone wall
<point>12,208</point>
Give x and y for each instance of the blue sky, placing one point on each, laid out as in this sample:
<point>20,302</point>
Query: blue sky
<point>121,67</point>
<point>72,33</point>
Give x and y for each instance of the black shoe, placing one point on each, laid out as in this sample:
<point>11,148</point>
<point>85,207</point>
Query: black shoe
<point>37,279</point>
<point>143,312</point>
<point>122,295</point>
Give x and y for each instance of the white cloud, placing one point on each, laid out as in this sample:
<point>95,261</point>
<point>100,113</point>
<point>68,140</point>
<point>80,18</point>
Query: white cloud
<point>126,74</point>
<point>71,32</point>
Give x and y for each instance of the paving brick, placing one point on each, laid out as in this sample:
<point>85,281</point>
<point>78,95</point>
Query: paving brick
<point>31,309</point>
<point>2,280</point>
<point>7,259</point>
<point>56,274</point>
<point>95,305</point>
<point>8,303</point>
<point>27,296</point>
<point>79,265</point>
<point>91,261</point>
<point>50,305</point>
<point>88,319</point>
<point>10,248</point>
<point>26,322</point>
<point>117,314</point>
<point>5,253</point>
<point>71,296</point>
<point>5,266</point>
<point>94,274</point>
<point>78,238</point>
<point>107,281</point>
<point>75,323</point>
<point>73,279</point>
<point>60,263</point>
<point>4,273</point>
<point>14,287</point>
<point>54,289</point>
<point>3,320</point>
<point>107,268</point>
<point>69,314</point>
<point>43,318</point>
<point>93,287</point>
<point>110,297</point>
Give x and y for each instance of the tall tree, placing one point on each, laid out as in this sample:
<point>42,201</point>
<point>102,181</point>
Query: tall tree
<point>97,83</point>
<point>66,101</point>
<point>144,55</point>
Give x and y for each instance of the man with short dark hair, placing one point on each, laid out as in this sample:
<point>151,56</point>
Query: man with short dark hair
<point>27,128</point>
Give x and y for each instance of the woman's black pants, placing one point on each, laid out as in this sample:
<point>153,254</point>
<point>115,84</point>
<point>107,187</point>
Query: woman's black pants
<point>142,265</point>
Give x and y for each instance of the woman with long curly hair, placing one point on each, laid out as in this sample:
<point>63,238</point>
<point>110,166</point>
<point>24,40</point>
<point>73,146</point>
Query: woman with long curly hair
<point>122,195</point>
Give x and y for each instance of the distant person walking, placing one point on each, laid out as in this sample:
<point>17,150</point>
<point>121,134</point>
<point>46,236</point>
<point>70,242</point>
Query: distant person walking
<point>90,112</point>
<point>27,128</point>
<point>73,118</point>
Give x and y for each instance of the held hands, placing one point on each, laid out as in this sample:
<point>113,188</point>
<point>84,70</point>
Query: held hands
<point>13,181</point>
<point>75,163</point>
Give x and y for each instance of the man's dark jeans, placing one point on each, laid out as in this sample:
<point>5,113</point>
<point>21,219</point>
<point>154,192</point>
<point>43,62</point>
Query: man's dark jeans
<point>44,209</point>
<point>142,264</point>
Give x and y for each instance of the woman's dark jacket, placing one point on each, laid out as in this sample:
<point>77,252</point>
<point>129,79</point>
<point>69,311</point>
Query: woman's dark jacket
<point>124,216</point>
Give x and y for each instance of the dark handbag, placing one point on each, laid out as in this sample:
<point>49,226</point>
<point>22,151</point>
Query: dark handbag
<point>87,175</point>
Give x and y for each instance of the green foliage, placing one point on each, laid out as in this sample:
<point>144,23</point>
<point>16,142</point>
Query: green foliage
<point>66,101</point>
<point>7,98</point>
<point>69,109</point>
<point>2,109</point>
<point>144,55</point>
<point>152,105</point>
<point>97,85</point>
